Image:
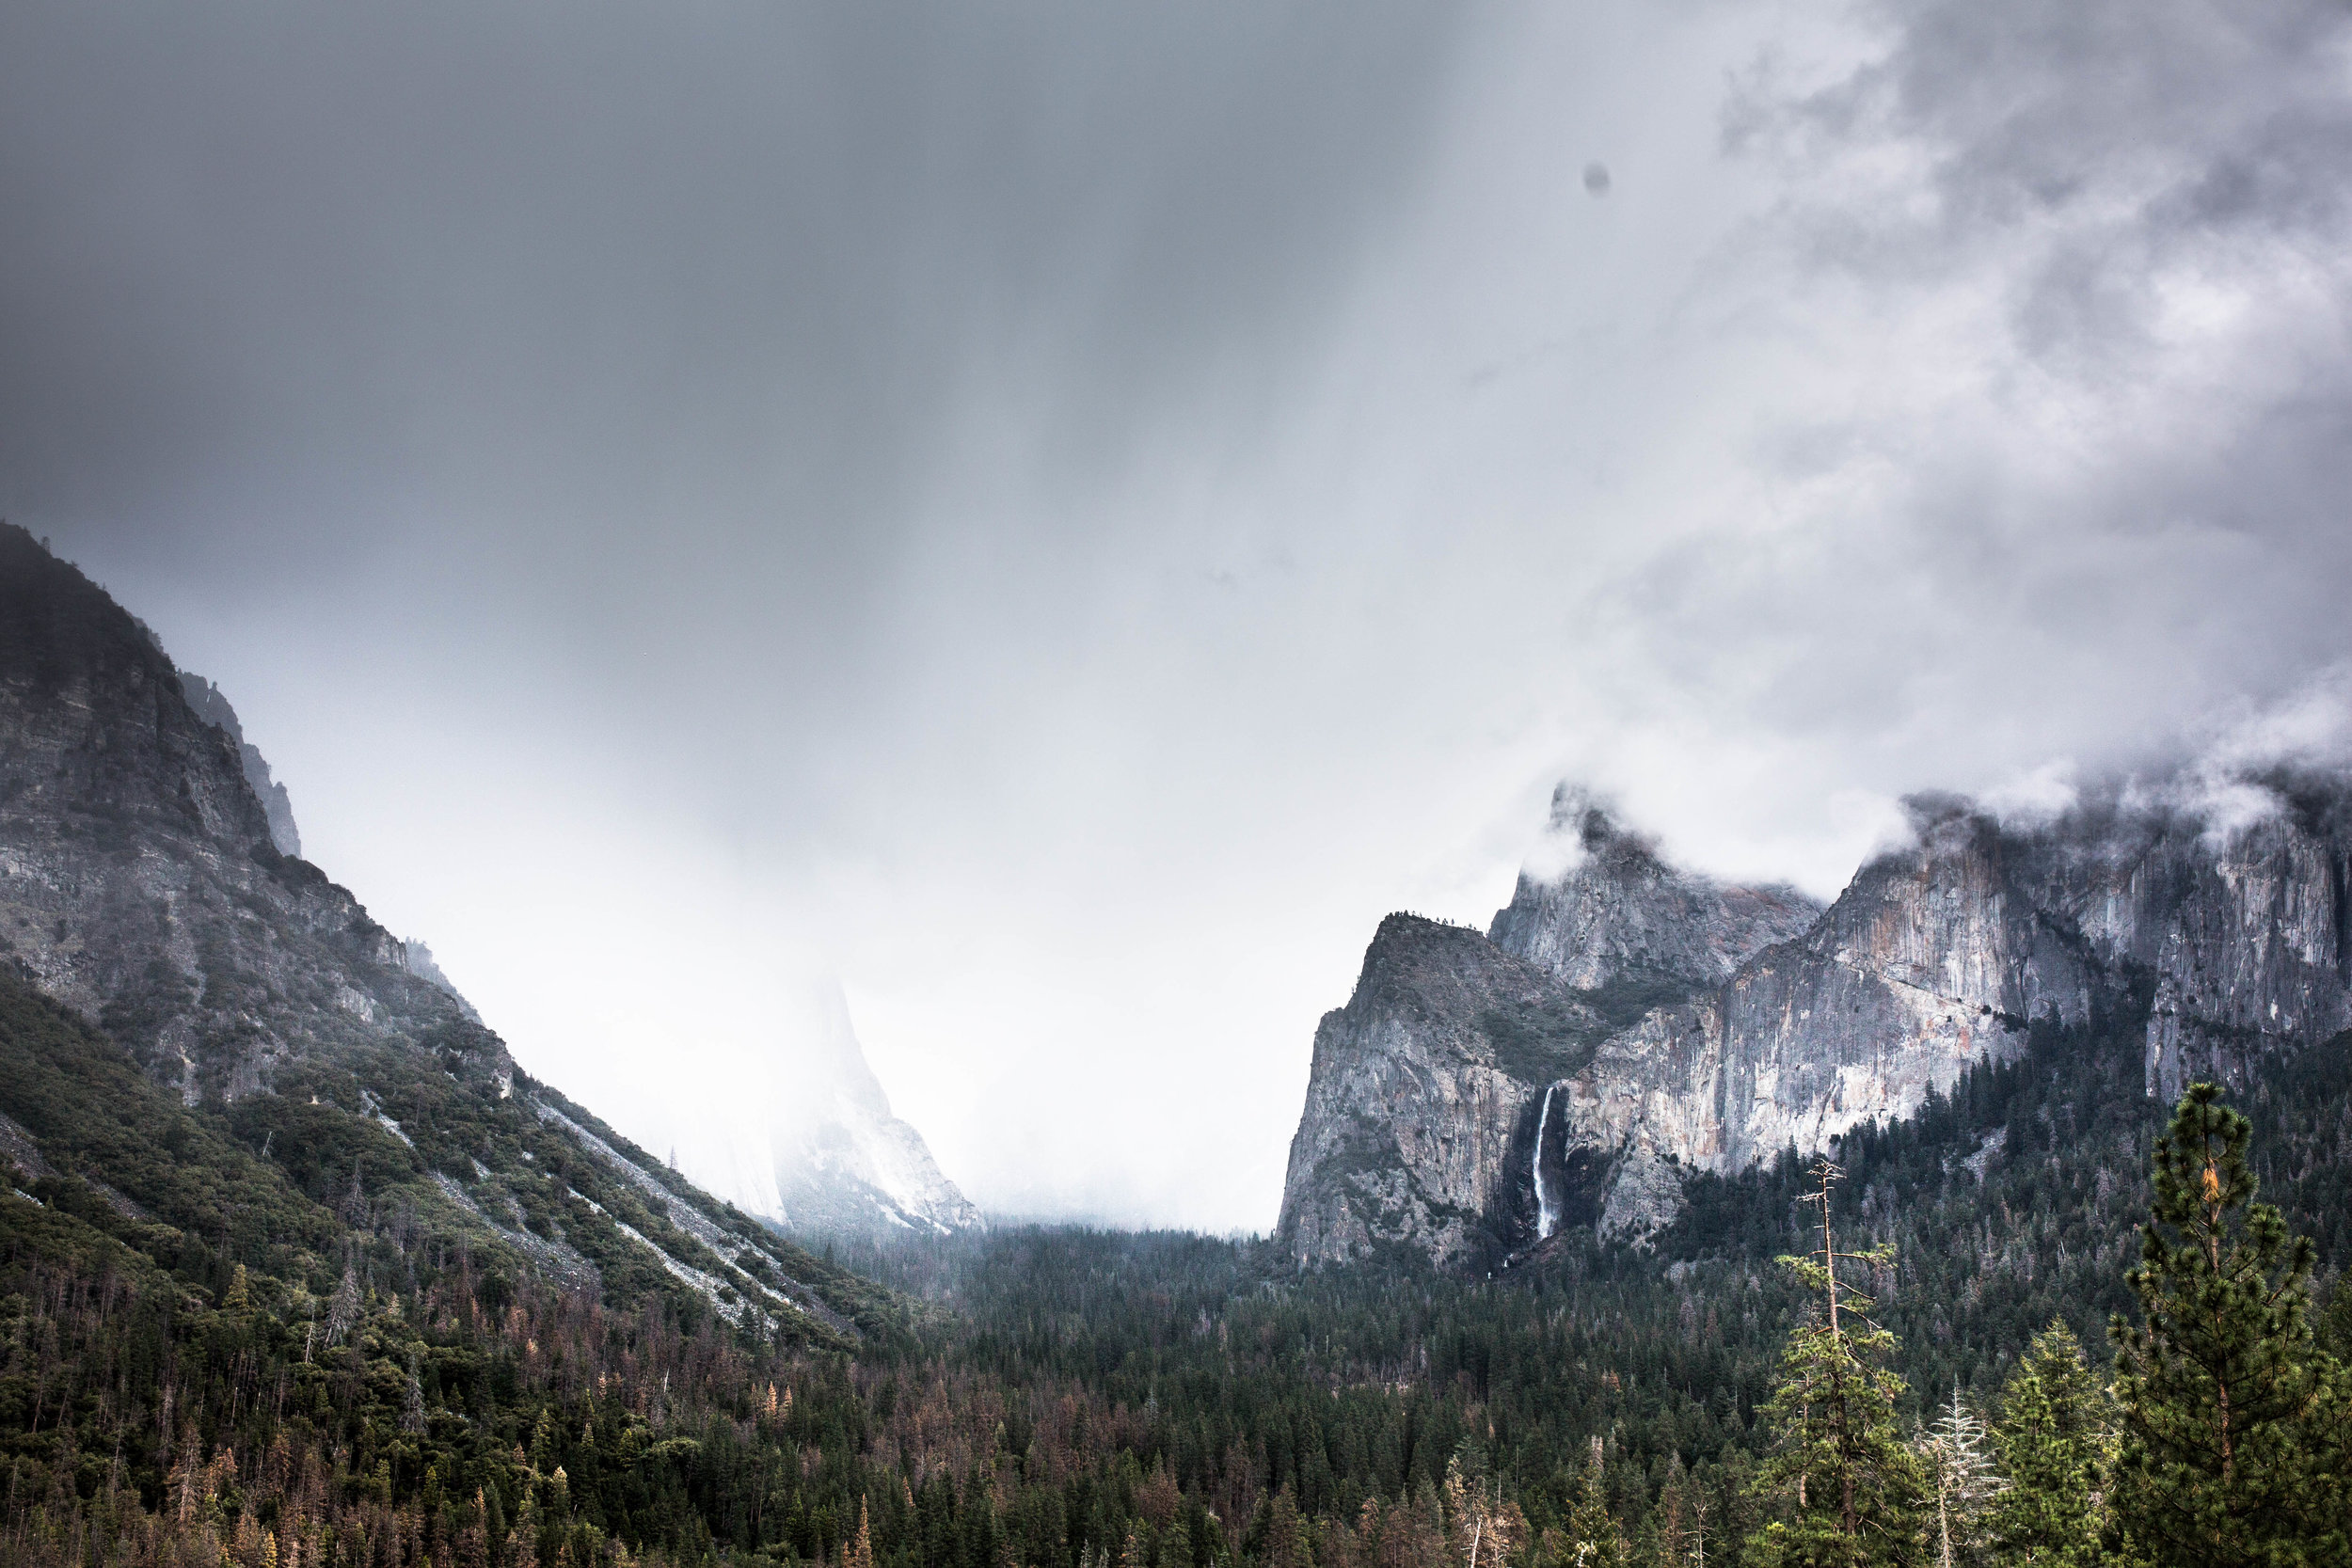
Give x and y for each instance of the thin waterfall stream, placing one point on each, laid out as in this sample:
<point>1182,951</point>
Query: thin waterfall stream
<point>1547,1203</point>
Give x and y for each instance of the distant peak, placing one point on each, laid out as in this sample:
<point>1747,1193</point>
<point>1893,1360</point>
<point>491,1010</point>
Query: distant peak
<point>1590,817</point>
<point>1587,831</point>
<point>1596,901</point>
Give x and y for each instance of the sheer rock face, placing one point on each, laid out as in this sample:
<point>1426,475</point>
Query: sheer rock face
<point>1621,911</point>
<point>2235,910</point>
<point>1930,961</point>
<point>2227,915</point>
<point>212,705</point>
<point>1419,1096</point>
<point>1937,956</point>
<point>140,882</point>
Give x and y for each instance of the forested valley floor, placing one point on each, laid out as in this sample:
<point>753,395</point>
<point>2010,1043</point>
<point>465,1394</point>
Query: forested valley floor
<point>1072,1397</point>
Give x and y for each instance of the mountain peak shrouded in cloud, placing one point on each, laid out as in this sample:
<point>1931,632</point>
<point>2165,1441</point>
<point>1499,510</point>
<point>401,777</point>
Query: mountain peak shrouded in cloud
<point>1034,507</point>
<point>1617,1034</point>
<point>842,1161</point>
<point>1617,910</point>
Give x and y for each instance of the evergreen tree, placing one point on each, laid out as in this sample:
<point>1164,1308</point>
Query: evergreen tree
<point>860,1553</point>
<point>1669,1542</point>
<point>1592,1539</point>
<point>1841,1489</point>
<point>412,1400</point>
<point>1286,1535</point>
<point>2233,1450</point>
<point>2055,1448</point>
<point>2335,1323</point>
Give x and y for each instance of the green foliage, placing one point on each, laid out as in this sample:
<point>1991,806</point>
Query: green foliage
<point>2056,1443</point>
<point>1839,1484</point>
<point>2334,1331</point>
<point>413,1380</point>
<point>1540,1042</point>
<point>2233,1450</point>
<point>187,1180</point>
<point>1591,1538</point>
<point>2013,1200</point>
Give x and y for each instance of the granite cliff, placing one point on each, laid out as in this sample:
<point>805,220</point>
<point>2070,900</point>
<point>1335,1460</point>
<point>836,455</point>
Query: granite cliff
<point>1418,1100</point>
<point>198,1027</point>
<point>1733,1024</point>
<point>1619,912</point>
<point>1431,1121</point>
<point>141,877</point>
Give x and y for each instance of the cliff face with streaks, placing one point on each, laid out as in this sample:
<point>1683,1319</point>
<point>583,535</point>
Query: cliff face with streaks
<point>141,880</point>
<point>1419,1100</point>
<point>1431,1117</point>
<point>1722,1037</point>
<point>206,1033</point>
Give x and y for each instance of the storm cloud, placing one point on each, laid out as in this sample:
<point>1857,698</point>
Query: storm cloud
<point>1063,514</point>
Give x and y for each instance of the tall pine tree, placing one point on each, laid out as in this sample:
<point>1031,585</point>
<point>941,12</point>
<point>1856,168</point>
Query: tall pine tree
<point>2054,1444</point>
<point>1841,1489</point>
<point>1592,1539</point>
<point>2233,1450</point>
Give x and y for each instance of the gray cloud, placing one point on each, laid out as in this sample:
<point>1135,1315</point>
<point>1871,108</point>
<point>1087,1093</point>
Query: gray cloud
<point>1066,513</point>
<point>740,275</point>
<point>2091,481</point>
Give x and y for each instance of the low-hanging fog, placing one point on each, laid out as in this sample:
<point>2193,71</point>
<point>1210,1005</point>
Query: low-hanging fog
<point>1061,515</point>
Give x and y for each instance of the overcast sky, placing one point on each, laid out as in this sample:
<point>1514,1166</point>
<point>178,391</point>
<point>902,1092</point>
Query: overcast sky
<point>1063,513</point>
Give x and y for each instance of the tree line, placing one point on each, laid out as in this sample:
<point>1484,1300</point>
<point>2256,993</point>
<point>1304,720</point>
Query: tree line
<point>1072,1398</point>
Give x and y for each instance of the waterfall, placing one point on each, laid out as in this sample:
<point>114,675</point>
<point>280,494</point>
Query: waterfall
<point>1546,1204</point>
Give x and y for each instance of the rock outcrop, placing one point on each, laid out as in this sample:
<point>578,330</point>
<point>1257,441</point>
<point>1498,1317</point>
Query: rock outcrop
<point>2234,903</point>
<point>418,957</point>
<point>212,705</point>
<point>1620,913</point>
<point>2223,913</point>
<point>141,882</point>
<point>1421,1095</point>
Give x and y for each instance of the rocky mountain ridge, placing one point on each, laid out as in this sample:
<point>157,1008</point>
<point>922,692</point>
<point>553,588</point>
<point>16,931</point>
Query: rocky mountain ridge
<point>141,882</point>
<point>212,705</point>
<point>214,1002</point>
<point>2222,915</point>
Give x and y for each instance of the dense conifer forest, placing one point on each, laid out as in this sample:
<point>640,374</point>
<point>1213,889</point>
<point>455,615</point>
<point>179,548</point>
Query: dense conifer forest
<point>250,1376</point>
